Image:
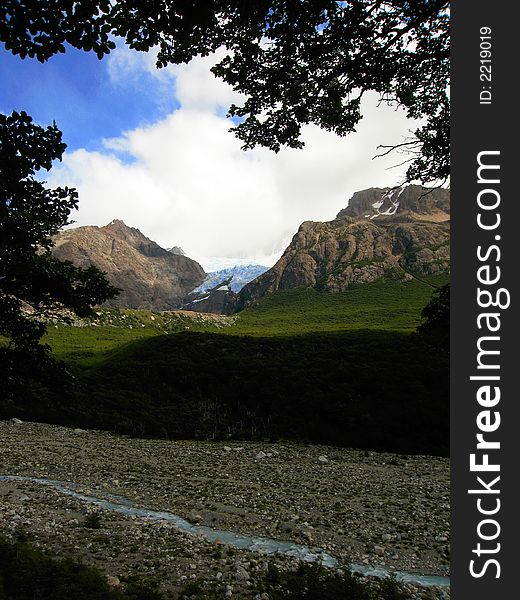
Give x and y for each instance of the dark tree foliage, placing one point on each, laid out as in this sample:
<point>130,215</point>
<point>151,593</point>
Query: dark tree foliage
<point>33,284</point>
<point>316,387</point>
<point>436,315</point>
<point>39,28</point>
<point>313,581</point>
<point>26,573</point>
<point>296,61</point>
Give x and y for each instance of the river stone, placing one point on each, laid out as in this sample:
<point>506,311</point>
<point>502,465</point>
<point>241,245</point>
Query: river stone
<point>379,550</point>
<point>241,574</point>
<point>194,517</point>
<point>323,459</point>
<point>16,421</point>
<point>307,535</point>
<point>260,455</point>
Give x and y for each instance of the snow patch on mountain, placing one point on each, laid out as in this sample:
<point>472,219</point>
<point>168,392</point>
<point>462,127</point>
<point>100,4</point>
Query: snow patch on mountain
<point>239,276</point>
<point>392,209</point>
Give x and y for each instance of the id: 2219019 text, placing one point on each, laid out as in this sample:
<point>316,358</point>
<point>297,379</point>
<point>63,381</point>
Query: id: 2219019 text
<point>485,65</point>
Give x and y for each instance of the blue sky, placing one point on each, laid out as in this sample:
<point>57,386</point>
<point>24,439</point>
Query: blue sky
<point>152,147</point>
<point>76,90</point>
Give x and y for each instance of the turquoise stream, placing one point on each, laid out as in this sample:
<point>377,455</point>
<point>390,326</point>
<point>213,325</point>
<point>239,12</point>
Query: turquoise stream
<point>256,544</point>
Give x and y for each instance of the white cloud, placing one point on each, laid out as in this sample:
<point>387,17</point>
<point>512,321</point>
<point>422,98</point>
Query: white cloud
<point>193,85</point>
<point>124,65</point>
<point>189,184</point>
<point>198,89</point>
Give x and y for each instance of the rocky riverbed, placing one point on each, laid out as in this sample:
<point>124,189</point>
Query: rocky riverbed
<point>362,507</point>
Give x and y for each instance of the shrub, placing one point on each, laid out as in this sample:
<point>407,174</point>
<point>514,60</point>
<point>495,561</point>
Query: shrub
<point>92,521</point>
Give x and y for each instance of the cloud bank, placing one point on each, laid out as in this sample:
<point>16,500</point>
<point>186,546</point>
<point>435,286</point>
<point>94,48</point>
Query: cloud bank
<point>185,181</point>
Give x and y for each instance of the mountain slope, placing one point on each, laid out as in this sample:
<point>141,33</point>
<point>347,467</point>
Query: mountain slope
<point>218,292</point>
<point>345,389</point>
<point>238,276</point>
<point>217,300</point>
<point>412,202</point>
<point>149,276</point>
<point>383,233</point>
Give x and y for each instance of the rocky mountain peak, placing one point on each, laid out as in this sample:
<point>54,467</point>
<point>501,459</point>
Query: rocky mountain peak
<point>404,203</point>
<point>149,276</point>
<point>120,229</point>
<point>118,223</point>
<point>389,232</point>
<point>176,250</point>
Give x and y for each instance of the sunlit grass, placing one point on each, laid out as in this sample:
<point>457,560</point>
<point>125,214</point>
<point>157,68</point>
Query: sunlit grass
<point>381,306</point>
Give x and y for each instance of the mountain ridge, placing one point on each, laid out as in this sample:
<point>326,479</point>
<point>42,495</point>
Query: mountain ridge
<point>150,277</point>
<point>384,232</point>
<point>406,203</point>
<point>397,233</point>
<point>238,276</point>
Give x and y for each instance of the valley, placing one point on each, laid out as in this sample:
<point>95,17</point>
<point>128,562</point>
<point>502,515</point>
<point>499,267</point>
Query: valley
<point>369,508</point>
<point>305,405</point>
<point>384,305</point>
<point>299,364</point>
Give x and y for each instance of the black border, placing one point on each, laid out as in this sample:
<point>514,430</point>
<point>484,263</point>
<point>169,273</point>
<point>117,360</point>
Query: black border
<point>480,127</point>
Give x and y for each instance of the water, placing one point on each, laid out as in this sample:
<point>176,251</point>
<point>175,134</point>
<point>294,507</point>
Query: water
<point>256,544</point>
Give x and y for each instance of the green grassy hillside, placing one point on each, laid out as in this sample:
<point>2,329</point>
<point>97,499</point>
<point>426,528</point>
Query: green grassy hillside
<point>343,369</point>
<point>383,305</point>
<point>370,389</point>
<point>93,341</point>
